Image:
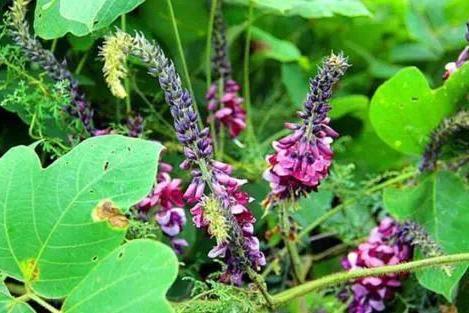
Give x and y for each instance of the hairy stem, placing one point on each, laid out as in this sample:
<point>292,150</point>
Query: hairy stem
<point>342,277</point>
<point>260,283</point>
<point>291,245</point>
<point>404,176</point>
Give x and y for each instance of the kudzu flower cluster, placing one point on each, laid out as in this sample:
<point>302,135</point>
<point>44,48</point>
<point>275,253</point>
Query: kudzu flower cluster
<point>223,211</point>
<point>223,100</point>
<point>302,159</point>
<point>18,29</point>
<point>384,246</point>
<point>166,203</point>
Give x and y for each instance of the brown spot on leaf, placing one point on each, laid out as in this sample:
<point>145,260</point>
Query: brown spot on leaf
<point>107,211</point>
<point>30,270</point>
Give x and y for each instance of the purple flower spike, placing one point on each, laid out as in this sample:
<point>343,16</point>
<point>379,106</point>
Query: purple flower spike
<point>227,109</point>
<point>384,247</point>
<point>18,29</point>
<point>222,207</point>
<point>302,159</point>
<point>166,198</point>
<point>135,126</point>
<point>225,105</point>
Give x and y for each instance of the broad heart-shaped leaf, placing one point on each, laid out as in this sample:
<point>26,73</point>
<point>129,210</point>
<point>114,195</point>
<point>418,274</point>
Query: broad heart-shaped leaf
<point>52,233</point>
<point>309,8</point>
<point>55,18</point>
<point>8,303</point>
<point>404,110</point>
<point>440,203</point>
<point>133,278</point>
<point>274,48</point>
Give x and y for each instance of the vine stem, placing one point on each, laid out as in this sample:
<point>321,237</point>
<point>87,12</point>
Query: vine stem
<point>183,58</point>
<point>128,106</point>
<point>336,210</point>
<point>260,283</point>
<point>246,80</point>
<point>208,46</point>
<point>208,65</point>
<point>342,277</point>
<point>43,303</point>
<point>291,245</point>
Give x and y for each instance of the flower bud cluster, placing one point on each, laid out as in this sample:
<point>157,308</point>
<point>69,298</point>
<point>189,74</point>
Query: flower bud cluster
<point>302,159</point>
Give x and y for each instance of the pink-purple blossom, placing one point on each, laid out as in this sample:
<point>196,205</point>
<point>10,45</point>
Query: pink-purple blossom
<point>166,201</point>
<point>302,159</point>
<point>226,108</point>
<point>383,247</point>
<point>242,249</point>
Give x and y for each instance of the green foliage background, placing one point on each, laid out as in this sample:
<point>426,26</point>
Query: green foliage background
<point>385,109</point>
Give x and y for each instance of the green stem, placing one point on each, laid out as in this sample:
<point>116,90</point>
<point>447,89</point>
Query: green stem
<point>208,49</point>
<point>208,68</point>
<point>335,210</point>
<point>291,245</point>
<point>81,64</point>
<point>53,45</point>
<point>128,106</point>
<point>221,131</point>
<point>246,80</point>
<point>260,283</point>
<point>43,303</point>
<point>342,277</point>
<point>183,58</point>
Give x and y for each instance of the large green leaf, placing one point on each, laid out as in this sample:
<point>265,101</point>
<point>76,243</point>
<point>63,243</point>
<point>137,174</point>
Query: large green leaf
<point>275,48</point>
<point>9,304</point>
<point>55,227</point>
<point>404,110</point>
<point>134,278</point>
<point>366,150</point>
<point>309,8</point>
<point>55,18</point>
<point>440,203</point>
<point>295,81</point>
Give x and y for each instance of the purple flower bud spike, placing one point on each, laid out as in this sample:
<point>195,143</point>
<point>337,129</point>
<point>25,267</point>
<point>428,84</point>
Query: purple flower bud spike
<point>223,210</point>
<point>302,159</point>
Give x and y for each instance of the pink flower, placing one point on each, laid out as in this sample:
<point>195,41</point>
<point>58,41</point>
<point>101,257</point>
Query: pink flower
<point>227,110</point>
<point>384,247</point>
<point>302,159</point>
<point>166,197</point>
